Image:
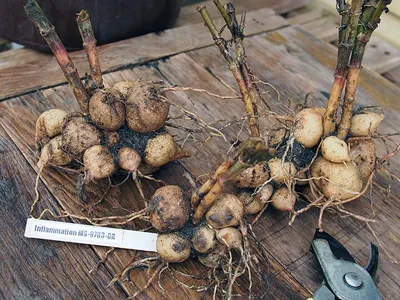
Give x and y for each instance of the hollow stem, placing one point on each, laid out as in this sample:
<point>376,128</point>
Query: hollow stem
<point>235,69</point>
<point>372,11</point>
<point>48,32</point>
<point>347,34</point>
<point>89,43</point>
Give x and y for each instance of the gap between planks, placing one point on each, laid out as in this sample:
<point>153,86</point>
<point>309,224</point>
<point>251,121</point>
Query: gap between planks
<point>22,176</point>
<point>20,76</point>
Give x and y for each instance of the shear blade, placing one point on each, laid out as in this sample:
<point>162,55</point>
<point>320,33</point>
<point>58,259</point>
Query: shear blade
<point>372,265</point>
<point>337,248</point>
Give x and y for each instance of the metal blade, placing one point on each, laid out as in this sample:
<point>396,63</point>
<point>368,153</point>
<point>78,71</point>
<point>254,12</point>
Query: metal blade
<point>372,265</point>
<point>323,293</point>
<point>337,248</point>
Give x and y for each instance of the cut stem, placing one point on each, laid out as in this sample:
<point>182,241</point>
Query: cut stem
<point>89,43</point>
<point>48,32</point>
<point>370,18</point>
<point>347,34</point>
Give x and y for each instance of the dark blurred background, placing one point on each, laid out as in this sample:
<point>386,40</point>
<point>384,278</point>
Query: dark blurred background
<point>112,20</point>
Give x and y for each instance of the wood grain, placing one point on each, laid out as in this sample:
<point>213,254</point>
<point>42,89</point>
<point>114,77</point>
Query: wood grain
<point>188,14</point>
<point>297,63</point>
<point>29,70</point>
<point>281,286</point>
<point>379,56</point>
<point>394,76</point>
<point>38,269</point>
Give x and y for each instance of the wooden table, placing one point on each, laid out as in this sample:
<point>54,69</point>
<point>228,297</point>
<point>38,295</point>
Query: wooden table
<point>291,59</point>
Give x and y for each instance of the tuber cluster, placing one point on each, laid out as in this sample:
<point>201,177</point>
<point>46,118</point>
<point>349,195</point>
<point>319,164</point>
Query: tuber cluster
<point>120,127</point>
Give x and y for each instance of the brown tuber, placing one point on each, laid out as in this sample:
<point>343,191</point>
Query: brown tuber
<point>363,154</point>
<point>160,150</point>
<point>170,208</point>
<point>99,162</point>
<point>172,248</point>
<point>227,211</point>
<point>255,203</point>
<point>78,135</point>
<point>231,237</point>
<point>213,258</point>
<point>123,87</point>
<point>338,180</point>
<point>146,110</point>
<point>204,239</point>
<point>48,125</point>
<point>281,172</point>
<point>283,199</point>
<point>129,159</point>
<point>107,110</point>
<point>253,176</point>
<point>52,154</point>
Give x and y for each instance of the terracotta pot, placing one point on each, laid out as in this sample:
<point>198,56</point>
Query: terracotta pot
<point>112,20</point>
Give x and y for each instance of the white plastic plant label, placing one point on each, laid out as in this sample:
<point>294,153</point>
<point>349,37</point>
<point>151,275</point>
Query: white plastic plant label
<point>92,235</point>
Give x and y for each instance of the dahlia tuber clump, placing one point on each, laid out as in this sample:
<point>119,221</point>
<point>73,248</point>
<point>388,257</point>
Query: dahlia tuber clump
<point>119,128</point>
<point>312,153</point>
<point>315,154</point>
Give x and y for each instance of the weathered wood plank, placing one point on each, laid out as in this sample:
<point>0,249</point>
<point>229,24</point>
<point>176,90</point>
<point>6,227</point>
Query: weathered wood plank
<point>62,185</point>
<point>36,268</point>
<point>394,76</point>
<point>23,135</point>
<point>29,70</point>
<point>297,63</point>
<point>188,14</point>
<point>379,56</point>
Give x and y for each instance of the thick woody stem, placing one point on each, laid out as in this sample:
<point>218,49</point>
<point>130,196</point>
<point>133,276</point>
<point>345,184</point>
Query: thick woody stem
<point>235,69</point>
<point>347,34</point>
<point>348,104</point>
<point>370,18</point>
<point>89,43</point>
<point>47,31</point>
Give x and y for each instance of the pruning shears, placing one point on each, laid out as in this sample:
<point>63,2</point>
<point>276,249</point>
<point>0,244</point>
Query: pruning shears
<point>343,277</point>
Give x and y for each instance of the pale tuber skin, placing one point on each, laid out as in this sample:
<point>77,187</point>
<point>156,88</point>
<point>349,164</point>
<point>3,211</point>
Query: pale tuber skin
<point>78,135</point>
<point>339,180</point>
<point>172,248</point>
<point>99,162</point>
<point>146,110</point>
<point>160,150</point>
<point>231,237</point>
<point>365,123</point>
<point>253,176</point>
<point>283,199</point>
<point>123,87</point>
<point>308,127</point>
<point>52,154</point>
<point>48,125</point>
<point>363,154</point>
<point>255,203</point>
<point>129,159</point>
<point>227,211</point>
<point>204,239</point>
<point>335,150</point>
<point>281,172</point>
<point>107,110</point>
<point>169,208</point>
